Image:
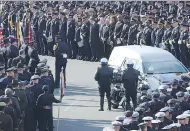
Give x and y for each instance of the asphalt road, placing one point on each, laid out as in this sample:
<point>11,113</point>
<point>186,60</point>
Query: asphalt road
<point>79,108</point>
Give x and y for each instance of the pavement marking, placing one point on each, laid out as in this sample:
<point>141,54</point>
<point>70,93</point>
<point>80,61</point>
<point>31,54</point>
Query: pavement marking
<point>71,105</point>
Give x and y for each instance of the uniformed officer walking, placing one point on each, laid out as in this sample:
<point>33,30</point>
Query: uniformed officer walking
<point>104,76</point>
<point>130,80</point>
<point>61,53</point>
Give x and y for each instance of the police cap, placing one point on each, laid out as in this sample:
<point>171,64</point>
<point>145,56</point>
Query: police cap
<point>180,94</point>
<point>171,101</point>
<point>139,109</point>
<point>10,69</point>
<point>40,65</point>
<point>120,118</point>
<point>188,88</point>
<point>181,117</point>
<point>163,87</point>
<point>155,95</point>
<point>44,70</point>
<point>2,104</point>
<point>135,115</point>
<point>174,125</point>
<point>160,21</point>
<point>128,113</point>
<point>147,118</point>
<point>116,123</point>
<point>142,124</point>
<point>20,65</point>
<point>186,112</point>
<point>155,121</point>
<point>165,109</point>
<point>160,114</point>
<point>35,77</point>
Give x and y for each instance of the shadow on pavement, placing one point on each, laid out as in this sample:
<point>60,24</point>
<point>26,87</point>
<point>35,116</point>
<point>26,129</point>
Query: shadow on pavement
<point>66,124</point>
<point>79,91</point>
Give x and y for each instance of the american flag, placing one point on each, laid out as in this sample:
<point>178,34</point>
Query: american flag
<point>62,85</point>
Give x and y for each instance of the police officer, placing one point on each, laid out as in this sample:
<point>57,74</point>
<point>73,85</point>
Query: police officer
<point>63,27</point>
<point>71,36</point>
<point>6,123</point>
<point>44,105</point>
<point>146,37</point>
<point>183,40</point>
<point>118,30</point>
<point>174,38</point>
<point>134,123</point>
<point>104,76</point>
<point>94,40</point>
<point>159,33</point>
<point>167,35</point>
<point>130,80</point>
<point>61,53</point>
<point>34,58</point>
<point>84,34</point>
<point>8,79</point>
<point>20,58</point>
<point>125,29</point>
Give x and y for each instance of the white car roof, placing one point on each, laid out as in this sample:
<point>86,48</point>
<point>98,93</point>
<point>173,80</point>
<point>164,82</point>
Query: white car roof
<point>144,53</point>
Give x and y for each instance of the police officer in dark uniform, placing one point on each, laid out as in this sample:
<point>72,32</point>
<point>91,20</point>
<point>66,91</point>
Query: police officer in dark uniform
<point>84,34</point>
<point>167,35</point>
<point>183,40</point>
<point>32,92</point>
<point>125,29</point>
<point>71,36</point>
<point>174,38</point>
<point>94,40</point>
<point>118,30</point>
<point>61,53</point>
<point>34,58</point>
<point>78,40</point>
<point>130,80</point>
<point>48,33</point>
<point>8,79</point>
<point>44,105</point>
<point>157,103</point>
<point>6,122</point>
<point>20,58</point>
<point>133,30</point>
<point>21,73</point>
<point>54,28</point>
<point>146,37</point>
<point>104,76</point>
<point>159,33</point>
<point>63,27</point>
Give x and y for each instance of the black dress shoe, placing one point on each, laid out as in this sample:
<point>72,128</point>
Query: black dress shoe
<point>101,109</point>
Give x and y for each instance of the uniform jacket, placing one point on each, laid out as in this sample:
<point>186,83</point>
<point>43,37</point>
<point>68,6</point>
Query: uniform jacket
<point>6,122</point>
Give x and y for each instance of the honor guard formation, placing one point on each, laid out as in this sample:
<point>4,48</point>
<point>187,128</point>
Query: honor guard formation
<point>88,31</point>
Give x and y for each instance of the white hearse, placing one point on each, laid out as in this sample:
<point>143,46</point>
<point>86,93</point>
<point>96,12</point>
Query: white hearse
<point>156,65</point>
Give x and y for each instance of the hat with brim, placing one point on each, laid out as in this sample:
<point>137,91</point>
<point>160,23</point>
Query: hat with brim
<point>12,69</point>
<point>160,22</point>
<point>35,77</point>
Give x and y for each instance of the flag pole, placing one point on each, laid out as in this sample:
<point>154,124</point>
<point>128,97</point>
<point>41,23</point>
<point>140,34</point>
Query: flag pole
<point>61,95</point>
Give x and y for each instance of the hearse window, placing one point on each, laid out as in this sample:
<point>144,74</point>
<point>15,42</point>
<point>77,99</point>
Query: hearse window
<point>124,65</point>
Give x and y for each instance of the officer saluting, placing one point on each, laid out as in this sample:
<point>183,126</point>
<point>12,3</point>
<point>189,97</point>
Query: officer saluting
<point>103,77</point>
<point>61,53</point>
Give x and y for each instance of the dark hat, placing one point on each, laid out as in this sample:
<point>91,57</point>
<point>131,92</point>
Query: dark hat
<point>55,12</point>
<point>37,71</point>
<point>20,65</point>
<point>5,41</point>
<point>155,95</point>
<point>128,113</point>
<point>45,88</point>
<point>35,7</point>
<point>44,70</point>
<point>35,77</point>
<point>171,101</point>
<point>10,69</point>
<point>175,82</point>
<point>180,94</point>
<point>126,16</point>
<point>160,21</point>
<point>40,65</point>
<point>12,39</point>
<point>62,13</point>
